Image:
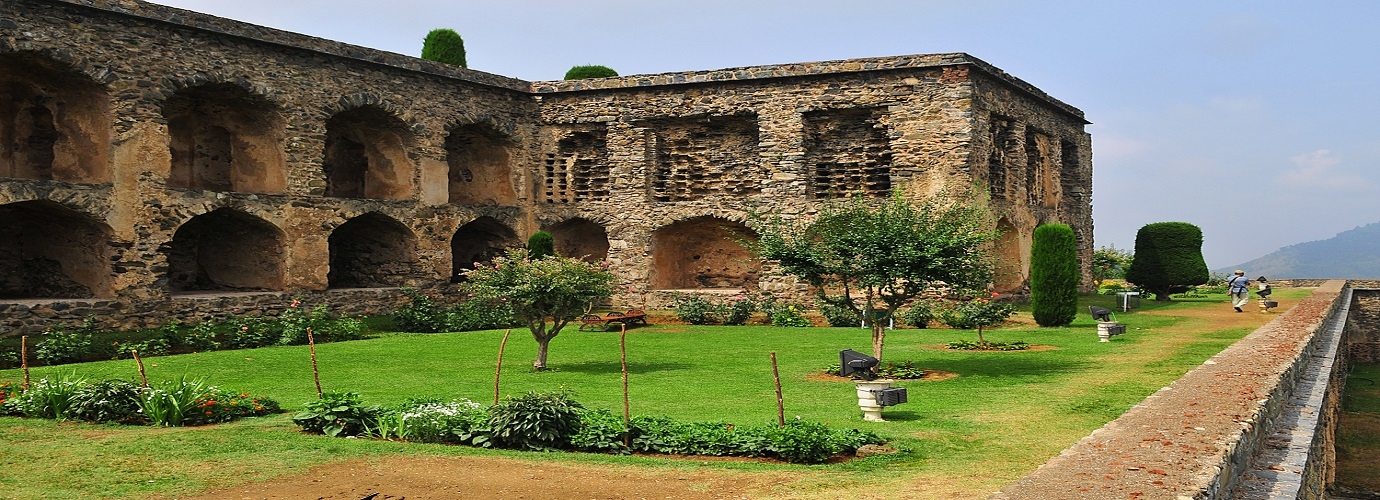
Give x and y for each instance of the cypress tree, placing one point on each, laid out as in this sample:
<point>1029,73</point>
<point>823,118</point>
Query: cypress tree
<point>541,244</point>
<point>1168,258</point>
<point>1054,275</point>
<point>590,71</point>
<point>444,45</point>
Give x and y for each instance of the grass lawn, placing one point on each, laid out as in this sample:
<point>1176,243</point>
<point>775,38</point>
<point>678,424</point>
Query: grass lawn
<point>963,437</point>
<point>1358,432</point>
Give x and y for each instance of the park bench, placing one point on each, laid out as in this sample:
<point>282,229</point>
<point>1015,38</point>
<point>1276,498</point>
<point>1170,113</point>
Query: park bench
<point>593,322</point>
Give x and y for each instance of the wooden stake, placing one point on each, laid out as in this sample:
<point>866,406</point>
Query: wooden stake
<point>311,342</point>
<point>627,409</point>
<point>140,362</point>
<point>499,367</point>
<point>24,358</point>
<point>780,403</point>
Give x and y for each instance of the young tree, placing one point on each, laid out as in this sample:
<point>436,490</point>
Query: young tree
<point>541,244</point>
<point>444,45</point>
<point>1054,275</point>
<point>590,71</point>
<point>882,253</point>
<point>1110,263</point>
<point>545,293</point>
<point>1169,258</point>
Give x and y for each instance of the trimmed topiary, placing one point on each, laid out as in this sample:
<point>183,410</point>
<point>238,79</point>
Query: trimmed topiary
<point>540,245</point>
<point>444,45</point>
<point>1168,258</point>
<point>1054,275</point>
<point>591,71</point>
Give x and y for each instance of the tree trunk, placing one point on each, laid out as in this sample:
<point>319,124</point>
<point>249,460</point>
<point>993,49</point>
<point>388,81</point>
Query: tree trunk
<point>540,363</point>
<point>878,336</point>
<point>980,340</point>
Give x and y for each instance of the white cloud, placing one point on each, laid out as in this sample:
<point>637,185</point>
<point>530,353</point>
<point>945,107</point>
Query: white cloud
<point>1315,169</point>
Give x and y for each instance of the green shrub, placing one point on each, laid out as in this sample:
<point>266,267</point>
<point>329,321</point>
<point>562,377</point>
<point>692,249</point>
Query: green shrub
<point>785,314</point>
<point>542,421</point>
<point>446,46</point>
<point>737,310</point>
<point>983,345</point>
<point>478,314</point>
<point>838,315</point>
<point>215,405</point>
<point>48,397</point>
<point>107,401</point>
<point>919,314</point>
<point>170,403</point>
<point>541,244</point>
<point>337,414</point>
<point>600,432</point>
<point>422,315</point>
<point>60,346</point>
<point>694,309</point>
<point>1054,275</point>
<point>1168,258</point>
<point>429,420</point>
<point>590,71</point>
<point>805,442</point>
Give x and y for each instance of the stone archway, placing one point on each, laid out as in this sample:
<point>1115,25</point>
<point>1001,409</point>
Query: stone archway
<point>372,250</point>
<point>366,155</point>
<point>225,249</point>
<point>479,241</point>
<point>581,238</point>
<point>479,164</point>
<point>1010,256</point>
<point>50,251</point>
<point>54,122</point>
<point>224,138</point>
<point>703,252</point>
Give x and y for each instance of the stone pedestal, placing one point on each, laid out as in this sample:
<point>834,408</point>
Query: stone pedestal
<point>872,412</point>
<point>1104,330</point>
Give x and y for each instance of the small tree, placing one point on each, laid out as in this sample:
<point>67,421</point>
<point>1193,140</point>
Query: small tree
<point>590,71</point>
<point>541,244</point>
<point>879,254</point>
<point>1054,275</point>
<point>1110,263</point>
<point>1169,258</point>
<point>444,45</point>
<point>545,293</point>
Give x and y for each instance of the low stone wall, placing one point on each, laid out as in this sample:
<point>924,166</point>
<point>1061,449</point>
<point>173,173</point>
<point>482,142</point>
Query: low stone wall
<point>18,318</point>
<point>1199,436</point>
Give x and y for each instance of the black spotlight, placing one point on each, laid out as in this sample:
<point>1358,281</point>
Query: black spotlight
<point>857,365</point>
<point>1100,313</point>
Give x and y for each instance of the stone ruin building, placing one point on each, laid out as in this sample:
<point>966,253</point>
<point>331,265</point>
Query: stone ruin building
<point>160,162</point>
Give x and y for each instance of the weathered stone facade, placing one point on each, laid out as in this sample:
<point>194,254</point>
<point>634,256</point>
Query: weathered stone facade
<point>153,154</point>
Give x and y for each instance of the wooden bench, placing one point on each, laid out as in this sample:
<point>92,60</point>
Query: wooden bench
<point>590,322</point>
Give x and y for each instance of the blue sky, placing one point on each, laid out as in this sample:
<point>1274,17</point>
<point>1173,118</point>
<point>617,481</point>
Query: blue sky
<point>1253,120</point>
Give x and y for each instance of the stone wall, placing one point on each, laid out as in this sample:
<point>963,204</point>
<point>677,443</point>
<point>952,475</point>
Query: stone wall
<point>179,153</point>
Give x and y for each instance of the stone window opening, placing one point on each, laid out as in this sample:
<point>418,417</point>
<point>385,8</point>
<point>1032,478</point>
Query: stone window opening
<point>1068,170</point>
<point>581,239</point>
<point>703,253</point>
<point>479,241</point>
<point>1040,178</point>
<point>366,155</point>
<point>54,122</point>
<point>1000,139</point>
<point>848,152</point>
<point>224,138</point>
<point>225,250</point>
<point>372,251</point>
<point>705,155</point>
<point>479,160</point>
<point>50,251</point>
<point>579,169</point>
<point>1010,258</point>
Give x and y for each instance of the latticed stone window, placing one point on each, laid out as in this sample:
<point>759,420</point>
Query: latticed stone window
<point>578,170</point>
<point>1000,139</point>
<point>697,157</point>
<point>847,151</point>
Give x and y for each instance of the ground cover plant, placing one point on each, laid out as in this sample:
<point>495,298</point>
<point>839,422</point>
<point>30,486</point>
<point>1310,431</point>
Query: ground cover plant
<point>962,437</point>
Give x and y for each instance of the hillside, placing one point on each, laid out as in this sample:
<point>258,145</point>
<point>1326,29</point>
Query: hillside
<point>1349,254</point>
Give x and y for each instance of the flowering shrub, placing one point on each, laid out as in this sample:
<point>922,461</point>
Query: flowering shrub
<point>216,405</point>
<point>430,420</point>
<point>107,401</point>
<point>61,346</point>
<point>47,398</point>
<point>694,309</point>
<point>785,314</point>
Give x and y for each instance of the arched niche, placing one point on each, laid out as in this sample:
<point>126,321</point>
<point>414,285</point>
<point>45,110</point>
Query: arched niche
<point>479,160</point>
<point>224,138</point>
<point>1010,256</point>
<point>703,253</point>
<point>225,249</point>
<point>581,239</point>
<point>366,155</point>
<point>48,250</point>
<point>54,122</point>
<point>372,250</point>
<point>479,241</point>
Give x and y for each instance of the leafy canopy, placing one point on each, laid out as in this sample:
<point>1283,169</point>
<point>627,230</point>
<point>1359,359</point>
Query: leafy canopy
<point>589,71</point>
<point>1110,263</point>
<point>444,45</point>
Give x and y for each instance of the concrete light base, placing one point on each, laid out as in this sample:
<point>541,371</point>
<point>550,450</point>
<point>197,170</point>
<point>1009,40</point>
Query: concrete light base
<point>867,400</point>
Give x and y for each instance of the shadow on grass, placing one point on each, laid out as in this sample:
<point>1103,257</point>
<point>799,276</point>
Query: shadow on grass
<point>1006,365</point>
<point>607,367</point>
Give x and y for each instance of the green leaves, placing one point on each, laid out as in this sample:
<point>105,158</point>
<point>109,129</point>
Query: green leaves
<point>337,414</point>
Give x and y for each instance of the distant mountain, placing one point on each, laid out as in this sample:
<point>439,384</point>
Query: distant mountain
<point>1349,254</point>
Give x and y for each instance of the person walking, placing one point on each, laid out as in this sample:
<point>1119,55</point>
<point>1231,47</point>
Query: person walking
<point>1237,286</point>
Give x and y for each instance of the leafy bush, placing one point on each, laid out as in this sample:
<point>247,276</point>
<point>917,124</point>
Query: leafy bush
<point>737,310</point>
<point>589,71</point>
<point>903,370</point>
<point>1054,275</point>
<point>422,315</point>
<point>983,345</point>
<point>976,313</point>
<point>198,338</point>
<point>339,414</point>
<point>479,314</point>
<point>601,432</point>
<point>107,401</point>
<point>1168,258</point>
<point>838,315</point>
<point>430,420</point>
<point>170,403</point>
<point>787,314</point>
<point>694,309</point>
<point>444,45</point>
<point>60,346</point>
<point>157,346</point>
<point>541,244</point>
<point>48,397</point>
<point>541,421</point>
<point>805,442</point>
<point>215,405</point>
<point>7,392</point>
<point>919,314</point>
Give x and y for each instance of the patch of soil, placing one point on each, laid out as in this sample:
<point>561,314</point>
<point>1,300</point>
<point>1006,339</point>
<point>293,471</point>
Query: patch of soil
<point>929,376</point>
<point>482,477</point>
<point>1033,347</point>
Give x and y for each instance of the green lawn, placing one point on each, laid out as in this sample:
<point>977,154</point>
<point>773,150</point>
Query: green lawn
<point>1003,415</point>
<point>1358,432</point>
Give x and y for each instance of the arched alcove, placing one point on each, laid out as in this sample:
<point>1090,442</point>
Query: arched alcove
<point>50,251</point>
<point>703,252</point>
<point>366,155</point>
<point>224,138</point>
<point>479,164</point>
<point>225,249</point>
<point>372,250</point>
<point>54,122</point>
<point>479,241</point>
<point>581,239</point>
<point>1010,258</point>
